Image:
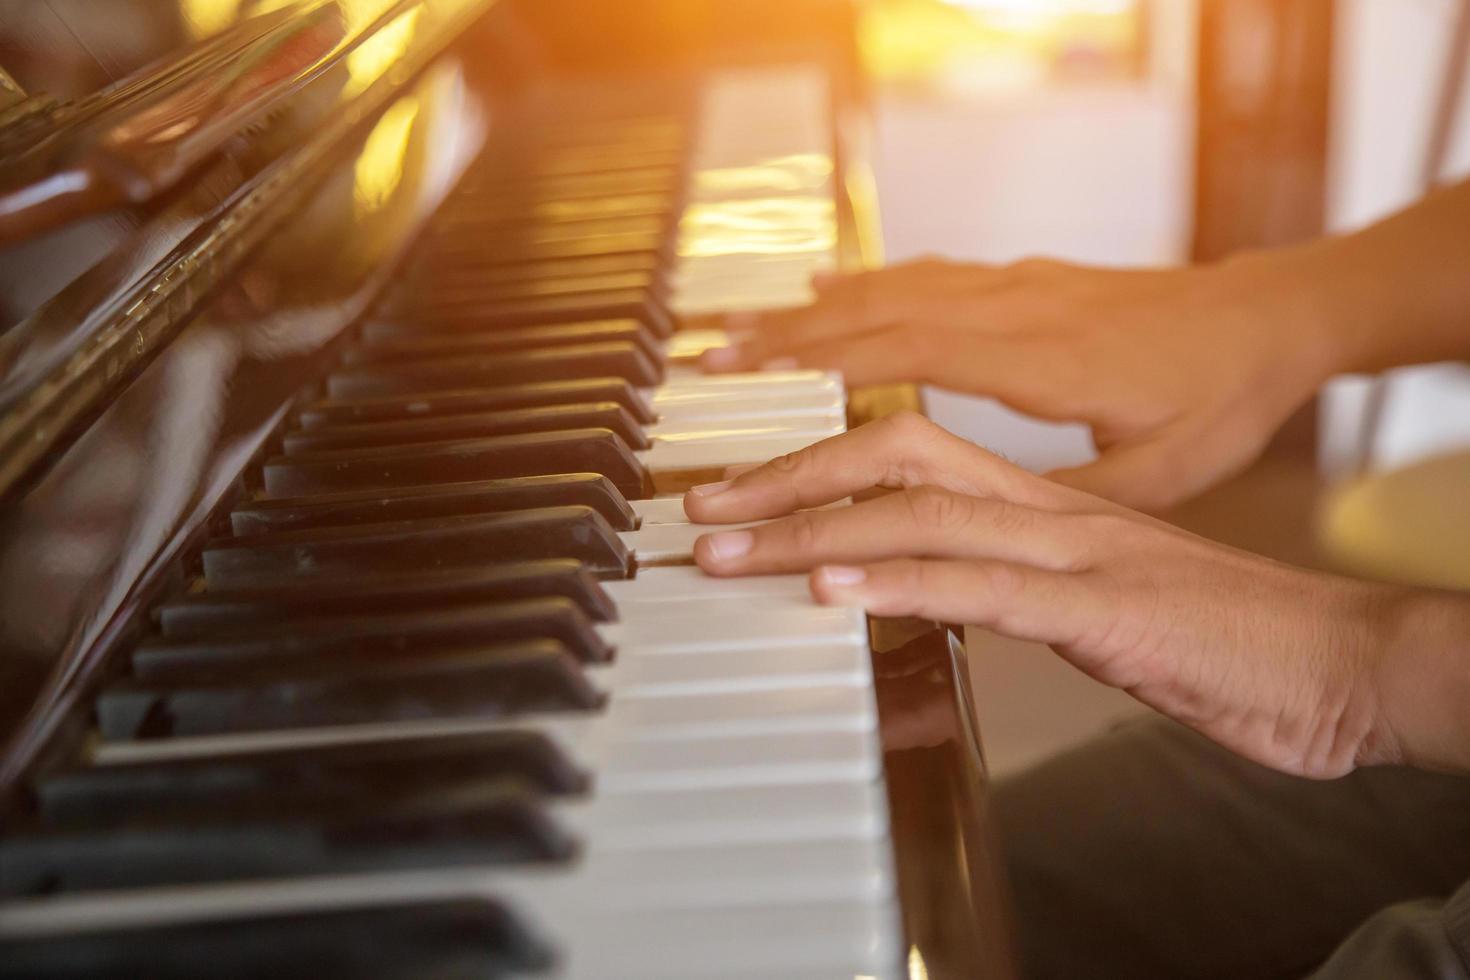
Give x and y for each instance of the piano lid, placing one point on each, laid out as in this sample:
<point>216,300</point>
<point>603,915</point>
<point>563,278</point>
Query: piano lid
<point>131,401</point>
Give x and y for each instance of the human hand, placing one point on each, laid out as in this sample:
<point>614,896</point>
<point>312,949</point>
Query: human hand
<point>1308,673</point>
<point>1182,374</point>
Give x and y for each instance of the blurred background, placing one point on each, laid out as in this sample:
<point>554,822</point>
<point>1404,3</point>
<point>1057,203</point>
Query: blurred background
<point>1152,132</point>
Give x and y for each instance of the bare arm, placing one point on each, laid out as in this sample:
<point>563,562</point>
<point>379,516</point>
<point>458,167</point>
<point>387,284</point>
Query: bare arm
<point>1309,673</point>
<point>1182,374</point>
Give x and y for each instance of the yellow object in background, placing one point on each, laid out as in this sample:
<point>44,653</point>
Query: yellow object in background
<point>1410,525</point>
<point>999,44</point>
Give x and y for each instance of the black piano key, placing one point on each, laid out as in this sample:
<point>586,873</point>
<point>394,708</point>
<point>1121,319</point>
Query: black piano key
<point>485,324</point>
<point>213,612</point>
<point>645,180</point>
<point>493,237</point>
<point>516,282</point>
<point>459,939</point>
<point>459,460</point>
<point>533,275</point>
<point>472,541</point>
<point>282,781</point>
<point>497,823</point>
<point>434,500</point>
<point>481,211</point>
<point>464,401</point>
<point>524,250</point>
<point>438,428</point>
<point>645,128</point>
<point>595,161</point>
<point>614,359</point>
<point>485,682</point>
<point>457,286</point>
<point>311,645</point>
<point>498,217</point>
<point>417,337</point>
<point>463,310</point>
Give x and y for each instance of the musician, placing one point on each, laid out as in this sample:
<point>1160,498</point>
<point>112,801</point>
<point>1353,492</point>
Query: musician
<point>1303,806</point>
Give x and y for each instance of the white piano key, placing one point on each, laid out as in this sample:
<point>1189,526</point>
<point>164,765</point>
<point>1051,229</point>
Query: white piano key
<point>834,755</point>
<point>699,405</point>
<point>661,510</point>
<point>711,454</point>
<point>745,761</point>
<point>819,425</point>
<point>841,939</point>
<point>686,344</point>
<point>750,383</point>
<point>681,583</point>
<point>763,669</point>
<point>728,624</point>
<point>710,876</point>
<point>792,710</point>
<point>597,937</point>
<point>666,543</point>
<point>670,510</point>
<point>592,739</point>
<point>720,815</point>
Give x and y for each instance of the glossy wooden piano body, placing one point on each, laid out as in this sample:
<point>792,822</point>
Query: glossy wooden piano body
<point>187,252</point>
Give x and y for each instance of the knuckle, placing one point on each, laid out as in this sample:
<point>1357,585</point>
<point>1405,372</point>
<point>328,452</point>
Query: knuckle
<point>1003,580</point>
<point>792,463</point>
<point>805,532</point>
<point>908,581</point>
<point>906,425</point>
<point>1009,518</point>
<point>935,507</point>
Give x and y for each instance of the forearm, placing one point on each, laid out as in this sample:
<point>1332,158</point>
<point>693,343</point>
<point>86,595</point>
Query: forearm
<point>1422,681</point>
<point>1395,293</point>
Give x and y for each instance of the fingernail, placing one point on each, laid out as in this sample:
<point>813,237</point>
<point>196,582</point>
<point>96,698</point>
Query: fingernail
<point>710,489</point>
<point>730,544</point>
<point>720,357</point>
<point>779,364</point>
<point>842,575</point>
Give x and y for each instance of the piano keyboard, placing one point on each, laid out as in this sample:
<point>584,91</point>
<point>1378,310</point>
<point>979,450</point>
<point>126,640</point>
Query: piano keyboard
<point>446,696</point>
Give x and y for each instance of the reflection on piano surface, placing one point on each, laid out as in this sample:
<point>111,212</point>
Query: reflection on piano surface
<point>349,627</point>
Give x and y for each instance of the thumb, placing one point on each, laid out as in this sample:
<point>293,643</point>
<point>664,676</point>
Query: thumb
<point>1151,473</point>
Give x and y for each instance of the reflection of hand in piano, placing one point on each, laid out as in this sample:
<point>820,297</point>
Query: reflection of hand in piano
<point>1276,663</point>
<point>1156,361</point>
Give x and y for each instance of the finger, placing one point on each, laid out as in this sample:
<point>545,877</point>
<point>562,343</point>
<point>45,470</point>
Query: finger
<point>1017,373</point>
<point>926,522</point>
<point>1014,599</point>
<point>888,354</point>
<point>896,452</point>
<point>823,282</point>
<point>757,340</point>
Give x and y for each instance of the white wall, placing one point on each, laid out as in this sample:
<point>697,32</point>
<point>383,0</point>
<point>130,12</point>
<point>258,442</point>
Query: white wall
<point>1390,59</point>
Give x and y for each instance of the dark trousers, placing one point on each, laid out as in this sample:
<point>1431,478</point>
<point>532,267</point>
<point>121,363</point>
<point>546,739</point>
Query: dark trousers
<point>1149,852</point>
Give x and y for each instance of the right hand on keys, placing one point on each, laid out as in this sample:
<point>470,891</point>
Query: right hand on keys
<point>1308,673</point>
<point>1183,374</point>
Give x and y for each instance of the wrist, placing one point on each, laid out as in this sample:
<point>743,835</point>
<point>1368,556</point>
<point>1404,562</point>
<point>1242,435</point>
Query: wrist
<point>1284,296</point>
<point>1420,680</point>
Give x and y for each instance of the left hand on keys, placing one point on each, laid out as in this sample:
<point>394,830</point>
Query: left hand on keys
<point>1305,672</point>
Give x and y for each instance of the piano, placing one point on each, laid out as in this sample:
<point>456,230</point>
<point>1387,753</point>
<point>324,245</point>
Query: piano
<point>348,624</point>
